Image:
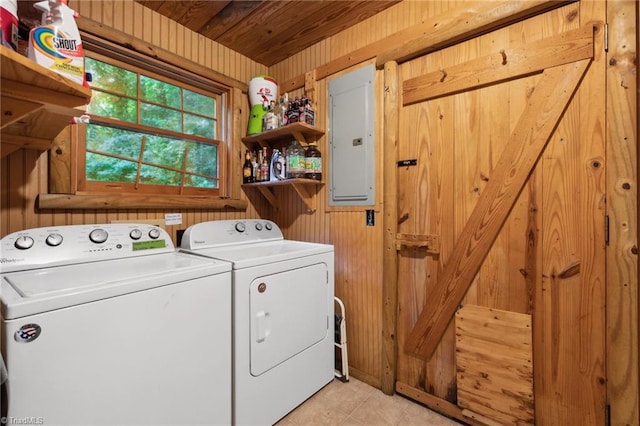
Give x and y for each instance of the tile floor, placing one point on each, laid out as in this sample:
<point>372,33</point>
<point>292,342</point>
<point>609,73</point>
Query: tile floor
<point>356,403</point>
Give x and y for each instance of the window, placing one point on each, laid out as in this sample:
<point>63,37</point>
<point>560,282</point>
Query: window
<point>152,131</point>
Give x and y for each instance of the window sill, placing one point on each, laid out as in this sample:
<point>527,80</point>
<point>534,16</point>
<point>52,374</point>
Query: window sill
<point>122,202</point>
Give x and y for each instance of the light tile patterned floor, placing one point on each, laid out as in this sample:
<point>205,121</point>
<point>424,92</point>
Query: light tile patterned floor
<point>356,403</point>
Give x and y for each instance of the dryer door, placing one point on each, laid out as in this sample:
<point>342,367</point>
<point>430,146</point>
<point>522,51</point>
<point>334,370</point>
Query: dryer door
<point>289,313</point>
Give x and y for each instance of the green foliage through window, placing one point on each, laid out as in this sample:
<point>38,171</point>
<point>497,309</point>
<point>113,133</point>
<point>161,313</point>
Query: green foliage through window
<point>146,130</point>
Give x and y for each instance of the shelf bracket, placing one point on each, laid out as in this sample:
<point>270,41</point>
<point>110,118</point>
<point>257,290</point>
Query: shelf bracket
<point>268,194</point>
<point>306,198</point>
<point>17,111</point>
<point>299,136</point>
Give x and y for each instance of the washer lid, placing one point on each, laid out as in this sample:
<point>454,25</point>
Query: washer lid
<point>40,290</point>
<point>256,254</point>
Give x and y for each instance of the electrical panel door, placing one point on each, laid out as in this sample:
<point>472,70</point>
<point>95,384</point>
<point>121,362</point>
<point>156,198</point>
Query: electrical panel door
<point>351,139</point>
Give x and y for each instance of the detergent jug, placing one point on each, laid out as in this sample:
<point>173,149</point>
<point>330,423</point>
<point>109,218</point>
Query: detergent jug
<point>56,43</point>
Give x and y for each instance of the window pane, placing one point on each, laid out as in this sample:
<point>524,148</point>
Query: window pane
<point>111,140</point>
<point>159,92</point>
<point>200,126</point>
<point>200,182</point>
<point>159,117</point>
<point>200,104</point>
<point>164,151</point>
<point>106,105</point>
<point>157,176</point>
<point>114,79</point>
<point>203,159</point>
<point>108,169</point>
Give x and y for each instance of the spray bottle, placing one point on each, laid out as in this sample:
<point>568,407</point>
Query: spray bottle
<point>56,43</point>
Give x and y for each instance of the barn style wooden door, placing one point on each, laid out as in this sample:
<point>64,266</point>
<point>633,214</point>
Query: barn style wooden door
<point>501,234</point>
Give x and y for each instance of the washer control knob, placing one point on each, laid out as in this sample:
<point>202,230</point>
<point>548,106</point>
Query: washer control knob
<point>240,227</point>
<point>135,234</point>
<point>98,236</point>
<point>154,233</point>
<point>268,226</point>
<point>53,240</point>
<point>258,226</point>
<point>23,243</point>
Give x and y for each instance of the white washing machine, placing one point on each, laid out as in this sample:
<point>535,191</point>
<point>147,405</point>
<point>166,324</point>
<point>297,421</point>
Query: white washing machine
<point>109,325</point>
<point>283,318</point>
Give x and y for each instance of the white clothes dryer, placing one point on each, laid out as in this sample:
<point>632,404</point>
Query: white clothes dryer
<point>109,325</point>
<point>283,320</point>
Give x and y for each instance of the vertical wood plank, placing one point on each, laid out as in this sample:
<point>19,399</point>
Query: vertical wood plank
<point>622,209</point>
<point>390,224</point>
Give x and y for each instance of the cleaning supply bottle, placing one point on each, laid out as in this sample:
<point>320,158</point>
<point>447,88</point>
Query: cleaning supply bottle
<point>56,43</point>
<point>9,23</point>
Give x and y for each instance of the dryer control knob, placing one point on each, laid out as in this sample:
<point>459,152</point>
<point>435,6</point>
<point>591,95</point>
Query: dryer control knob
<point>154,233</point>
<point>23,243</point>
<point>53,240</point>
<point>258,226</point>
<point>98,236</point>
<point>135,234</point>
<point>240,227</point>
<point>268,226</point>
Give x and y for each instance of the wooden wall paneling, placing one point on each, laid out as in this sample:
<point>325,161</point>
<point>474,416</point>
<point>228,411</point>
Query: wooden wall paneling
<point>126,10</point>
<point>60,164</point>
<point>622,209</point>
<point>31,185</point>
<point>15,187</point>
<point>358,272</point>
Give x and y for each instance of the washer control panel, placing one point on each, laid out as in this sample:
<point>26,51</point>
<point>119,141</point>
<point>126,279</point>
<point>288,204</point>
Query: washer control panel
<point>228,232</point>
<point>80,243</point>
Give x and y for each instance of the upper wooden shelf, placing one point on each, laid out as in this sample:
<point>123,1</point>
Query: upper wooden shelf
<point>300,131</point>
<point>37,103</point>
<point>303,133</point>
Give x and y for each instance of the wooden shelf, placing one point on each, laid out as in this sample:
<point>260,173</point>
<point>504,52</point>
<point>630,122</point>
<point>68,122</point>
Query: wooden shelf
<point>300,185</point>
<point>303,133</point>
<point>37,103</point>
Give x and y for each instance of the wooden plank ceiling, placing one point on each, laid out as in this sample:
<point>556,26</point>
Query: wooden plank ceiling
<point>268,31</point>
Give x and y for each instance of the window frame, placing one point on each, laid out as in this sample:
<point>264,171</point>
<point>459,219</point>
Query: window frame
<point>172,74</point>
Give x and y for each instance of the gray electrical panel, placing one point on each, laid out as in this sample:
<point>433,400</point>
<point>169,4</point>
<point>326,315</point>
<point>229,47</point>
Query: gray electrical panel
<point>351,139</point>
